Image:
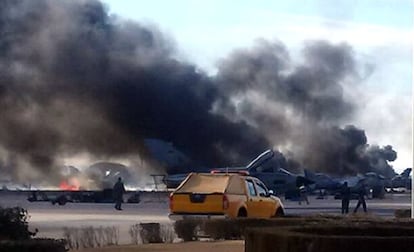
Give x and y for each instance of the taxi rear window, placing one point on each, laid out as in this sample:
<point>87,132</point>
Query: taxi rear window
<point>204,183</point>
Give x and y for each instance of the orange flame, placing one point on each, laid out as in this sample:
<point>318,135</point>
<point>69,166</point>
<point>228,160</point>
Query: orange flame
<point>71,185</point>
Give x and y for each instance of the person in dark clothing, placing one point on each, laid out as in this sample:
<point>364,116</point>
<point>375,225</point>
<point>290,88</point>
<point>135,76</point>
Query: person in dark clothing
<point>361,199</point>
<point>118,192</point>
<point>345,195</point>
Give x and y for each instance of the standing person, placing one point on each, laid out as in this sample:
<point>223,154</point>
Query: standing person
<point>361,199</point>
<point>118,192</point>
<point>303,195</point>
<point>345,195</point>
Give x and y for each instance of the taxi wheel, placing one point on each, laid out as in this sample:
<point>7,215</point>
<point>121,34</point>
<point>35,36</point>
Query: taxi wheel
<point>279,212</point>
<point>242,213</point>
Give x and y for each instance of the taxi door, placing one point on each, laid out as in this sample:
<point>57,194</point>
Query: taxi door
<point>253,202</point>
<point>266,203</point>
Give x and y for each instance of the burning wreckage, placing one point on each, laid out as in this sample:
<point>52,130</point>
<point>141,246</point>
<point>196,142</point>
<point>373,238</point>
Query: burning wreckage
<point>101,175</point>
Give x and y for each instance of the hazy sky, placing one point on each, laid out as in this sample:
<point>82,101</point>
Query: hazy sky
<point>380,31</point>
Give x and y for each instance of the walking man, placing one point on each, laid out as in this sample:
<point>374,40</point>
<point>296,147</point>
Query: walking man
<point>345,195</point>
<point>118,192</point>
<point>361,199</point>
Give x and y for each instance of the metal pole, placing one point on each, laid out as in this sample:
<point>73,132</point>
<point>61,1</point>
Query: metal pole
<point>412,136</point>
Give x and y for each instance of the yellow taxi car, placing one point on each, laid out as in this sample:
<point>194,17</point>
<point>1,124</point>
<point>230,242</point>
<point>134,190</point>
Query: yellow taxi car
<point>223,195</point>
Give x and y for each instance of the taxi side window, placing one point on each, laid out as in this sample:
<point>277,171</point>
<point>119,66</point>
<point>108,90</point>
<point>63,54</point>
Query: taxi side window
<point>261,189</point>
<point>252,190</point>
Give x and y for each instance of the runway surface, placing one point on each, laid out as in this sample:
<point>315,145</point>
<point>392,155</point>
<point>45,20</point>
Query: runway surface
<point>51,219</point>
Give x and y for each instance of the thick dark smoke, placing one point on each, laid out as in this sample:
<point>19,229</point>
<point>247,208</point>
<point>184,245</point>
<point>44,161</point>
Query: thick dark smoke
<point>286,98</point>
<point>346,152</point>
<point>300,106</point>
<point>313,89</point>
<point>74,80</point>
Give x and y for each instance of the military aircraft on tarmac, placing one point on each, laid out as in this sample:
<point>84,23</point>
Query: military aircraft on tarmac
<point>322,181</point>
<point>265,167</point>
<point>373,182</point>
<point>402,180</point>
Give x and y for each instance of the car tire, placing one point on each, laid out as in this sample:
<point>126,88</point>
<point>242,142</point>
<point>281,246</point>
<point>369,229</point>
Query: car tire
<point>242,213</point>
<point>279,213</point>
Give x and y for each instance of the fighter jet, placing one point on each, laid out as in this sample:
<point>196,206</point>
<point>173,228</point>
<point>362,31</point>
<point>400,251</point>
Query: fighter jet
<point>323,181</point>
<point>265,167</point>
<point>373,182</point>
<point>402,180</point>
<point>105,174</point>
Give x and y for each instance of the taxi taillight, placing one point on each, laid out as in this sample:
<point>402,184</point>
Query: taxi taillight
<point>225,202</point>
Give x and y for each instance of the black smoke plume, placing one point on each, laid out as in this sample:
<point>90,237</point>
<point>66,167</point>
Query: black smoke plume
<point>301,106</point>
<point>75,80</point>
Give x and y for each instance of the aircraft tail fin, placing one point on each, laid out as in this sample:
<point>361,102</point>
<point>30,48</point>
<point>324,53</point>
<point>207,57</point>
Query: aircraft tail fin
<point>406,173</point>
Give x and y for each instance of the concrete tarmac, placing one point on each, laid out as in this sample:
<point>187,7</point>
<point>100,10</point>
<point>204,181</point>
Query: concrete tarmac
<point>51,219</point>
